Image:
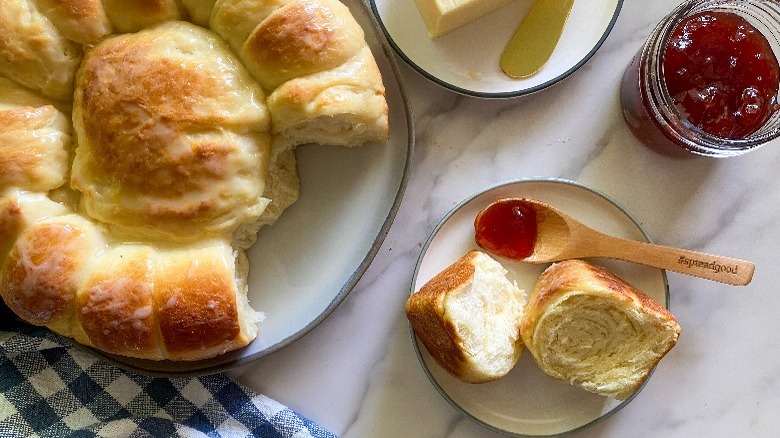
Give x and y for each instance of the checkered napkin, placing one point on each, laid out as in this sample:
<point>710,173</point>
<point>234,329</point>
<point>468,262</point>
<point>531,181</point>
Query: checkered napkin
<point>50,389</point>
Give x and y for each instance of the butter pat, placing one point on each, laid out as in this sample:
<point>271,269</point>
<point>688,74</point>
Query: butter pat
<point>442,16</point>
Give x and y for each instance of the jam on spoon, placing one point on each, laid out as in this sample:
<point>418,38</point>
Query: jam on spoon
<point>514,226</point>
<point>507,228</point>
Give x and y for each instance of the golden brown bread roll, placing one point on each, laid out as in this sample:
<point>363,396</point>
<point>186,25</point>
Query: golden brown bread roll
<point>115,309</point>
<point>34,53</point>
<point>81,21</point>
<point>468,318</point>
<point>172,135</point>
<point>181,304</point>
<point>44,269</point>
<point>19,209</point>
<point>342,106</point>
<point>200,297</point>
<point>133,243</point>
<point>312,58</point>
<point>198,11</point>
<point>234,20</point>
<point>132,16</point>
<point>301,38</point>
<point>35,141</point>
<point>585,325</point>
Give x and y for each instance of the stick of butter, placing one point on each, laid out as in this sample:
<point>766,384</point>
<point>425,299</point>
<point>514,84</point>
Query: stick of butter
<point>442,16</point>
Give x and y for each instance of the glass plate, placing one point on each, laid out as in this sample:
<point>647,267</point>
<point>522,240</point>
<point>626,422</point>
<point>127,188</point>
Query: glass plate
<point>466,60</point>
<point>527,402</point>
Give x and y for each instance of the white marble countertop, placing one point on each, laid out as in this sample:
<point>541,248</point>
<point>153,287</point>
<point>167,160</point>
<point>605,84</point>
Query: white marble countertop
<point>357,374</point>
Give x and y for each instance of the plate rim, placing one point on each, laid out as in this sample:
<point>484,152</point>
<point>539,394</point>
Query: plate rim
<point>501,94</point>
<point>432,235</point>
<point>130,364</point>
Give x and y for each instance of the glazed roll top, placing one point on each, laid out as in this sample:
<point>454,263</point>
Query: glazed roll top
<point>81,21</point>
<point>45,268</point>
<point>34,52</point>
<point>343,106</point>
<point>172,135</point>
<point>585,325</point>
<point>312,58</point>
<point>301,38</point>
<point>35,140</point>
<point>19,210</point>
<point>132,16</point>
<point>234,20</point>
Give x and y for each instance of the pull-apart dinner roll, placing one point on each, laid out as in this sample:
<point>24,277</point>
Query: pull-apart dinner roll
<point>19,209</point>
<point>301,38</point>
<point>588,327</point>
<point>45,267</point>
<point>172,136</point>
<point>132,16</point>
<point>81,21</point>
<point>201,302</point>
<point>179,304</point>
<point>312,58</point>
<point>35,140</point>
<point>35,53</point>
<point>133,300</point>
<point>342,106</point>
<point>139,158</point>
<point>468,318</point>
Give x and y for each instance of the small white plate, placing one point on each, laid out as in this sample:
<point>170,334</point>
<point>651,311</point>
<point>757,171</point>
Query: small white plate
<point>527,402</point>
<point>466,60</point>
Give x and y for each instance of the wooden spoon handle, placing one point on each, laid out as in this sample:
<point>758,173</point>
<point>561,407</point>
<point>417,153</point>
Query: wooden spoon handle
<point>698,264</point>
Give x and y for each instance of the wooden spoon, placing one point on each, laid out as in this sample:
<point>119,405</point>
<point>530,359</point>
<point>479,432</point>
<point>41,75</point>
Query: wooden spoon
<point>561,237</point>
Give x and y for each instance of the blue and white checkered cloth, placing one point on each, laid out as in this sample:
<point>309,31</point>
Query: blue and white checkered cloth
<point>48,388</point>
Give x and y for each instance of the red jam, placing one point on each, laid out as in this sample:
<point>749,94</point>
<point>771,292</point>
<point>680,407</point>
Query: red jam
<point>507,228</point>
<point>721,74</point>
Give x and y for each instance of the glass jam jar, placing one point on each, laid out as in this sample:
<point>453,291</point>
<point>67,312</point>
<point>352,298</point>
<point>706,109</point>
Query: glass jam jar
<point>661,121</point>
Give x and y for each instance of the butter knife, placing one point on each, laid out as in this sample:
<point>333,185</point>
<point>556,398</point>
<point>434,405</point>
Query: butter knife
<point>536,38</point>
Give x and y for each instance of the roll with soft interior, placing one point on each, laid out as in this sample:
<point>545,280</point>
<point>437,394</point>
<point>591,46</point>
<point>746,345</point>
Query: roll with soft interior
<point>468,317</point>
<point>585,325</point>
